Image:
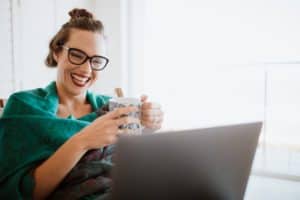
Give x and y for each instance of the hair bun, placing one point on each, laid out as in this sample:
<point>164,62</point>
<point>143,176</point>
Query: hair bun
<point>76,13</point>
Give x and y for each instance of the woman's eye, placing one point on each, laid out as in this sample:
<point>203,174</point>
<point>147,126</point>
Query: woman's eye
<point>77,55</point>
<point>97,62</point>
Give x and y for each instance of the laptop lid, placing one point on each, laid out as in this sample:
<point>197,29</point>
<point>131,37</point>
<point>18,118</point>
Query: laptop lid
<point>210,163</point>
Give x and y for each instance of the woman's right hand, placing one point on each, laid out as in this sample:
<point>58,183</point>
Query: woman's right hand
<point>105,129</point>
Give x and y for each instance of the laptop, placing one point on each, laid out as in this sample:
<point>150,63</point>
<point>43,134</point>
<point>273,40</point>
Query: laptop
<point>211,163</point>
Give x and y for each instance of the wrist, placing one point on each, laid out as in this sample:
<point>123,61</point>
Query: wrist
<point>80,142</point>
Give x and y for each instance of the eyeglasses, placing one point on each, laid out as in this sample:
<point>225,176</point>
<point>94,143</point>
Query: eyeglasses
<point>78,57</point>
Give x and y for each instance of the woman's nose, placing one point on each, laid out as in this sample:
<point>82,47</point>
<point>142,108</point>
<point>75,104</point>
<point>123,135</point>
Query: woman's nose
<point>86,66</point>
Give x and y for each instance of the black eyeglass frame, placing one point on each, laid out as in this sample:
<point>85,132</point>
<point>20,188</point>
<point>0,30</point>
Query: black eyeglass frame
<point>86,58</point>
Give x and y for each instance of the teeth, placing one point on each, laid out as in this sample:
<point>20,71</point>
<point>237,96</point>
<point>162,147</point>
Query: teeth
<point>79,78</point>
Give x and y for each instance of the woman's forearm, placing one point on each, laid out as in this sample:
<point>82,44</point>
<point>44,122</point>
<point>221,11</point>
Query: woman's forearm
<point>51,172</point>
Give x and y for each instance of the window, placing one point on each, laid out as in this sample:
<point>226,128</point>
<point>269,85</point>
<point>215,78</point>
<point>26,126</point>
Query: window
<point>223,62</point>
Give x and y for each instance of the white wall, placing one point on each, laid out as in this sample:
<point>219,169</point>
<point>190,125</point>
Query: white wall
<point>33,23</point>
<point>35,27</point>
<point>6,72</point>
<point>39,21</point>
<point>113,15</point>
<point>123,21</point>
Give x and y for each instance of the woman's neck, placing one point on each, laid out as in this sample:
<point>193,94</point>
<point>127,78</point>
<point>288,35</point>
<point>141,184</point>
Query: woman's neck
<point>75,105</point>
<point>70,100</point>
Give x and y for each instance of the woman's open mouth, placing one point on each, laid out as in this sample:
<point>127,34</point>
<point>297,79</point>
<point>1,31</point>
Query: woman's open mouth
<point>80,80</point>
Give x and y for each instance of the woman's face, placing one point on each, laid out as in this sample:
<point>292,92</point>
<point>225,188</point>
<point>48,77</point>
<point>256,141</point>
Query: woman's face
<point>74,79</point>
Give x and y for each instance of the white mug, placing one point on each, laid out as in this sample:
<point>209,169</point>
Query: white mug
<point>132,128</point>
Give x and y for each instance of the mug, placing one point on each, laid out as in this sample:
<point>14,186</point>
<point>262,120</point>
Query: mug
<point>131,128</point>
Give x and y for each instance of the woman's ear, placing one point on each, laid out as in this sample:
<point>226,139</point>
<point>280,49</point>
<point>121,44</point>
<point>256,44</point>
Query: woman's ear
<point>55,56</point>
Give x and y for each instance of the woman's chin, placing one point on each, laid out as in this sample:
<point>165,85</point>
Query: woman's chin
<point>77,90</point>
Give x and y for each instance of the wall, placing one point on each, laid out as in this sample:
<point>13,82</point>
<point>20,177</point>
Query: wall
<point>114,17</point>
<point>26,28</point>
<point>6,71</point>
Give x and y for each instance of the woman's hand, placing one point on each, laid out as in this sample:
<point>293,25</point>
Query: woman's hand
<point>105,129</point>
<point>152,116</point>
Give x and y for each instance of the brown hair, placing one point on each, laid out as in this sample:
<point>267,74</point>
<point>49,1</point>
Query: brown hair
<point>80,19</point>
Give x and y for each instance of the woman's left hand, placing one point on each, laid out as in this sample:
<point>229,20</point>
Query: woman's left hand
<point>151,114</point>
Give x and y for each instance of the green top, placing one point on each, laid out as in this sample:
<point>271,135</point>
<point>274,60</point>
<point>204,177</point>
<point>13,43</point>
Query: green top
<point>30,132</point>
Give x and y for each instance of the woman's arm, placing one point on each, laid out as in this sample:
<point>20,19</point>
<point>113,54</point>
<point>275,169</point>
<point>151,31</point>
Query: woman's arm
<point>102,132</point>
<point>51,172</point>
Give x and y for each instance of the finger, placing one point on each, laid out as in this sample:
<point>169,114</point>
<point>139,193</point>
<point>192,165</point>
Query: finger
<point>125,120</point>
<point>111,139</point>
<point>152,112</point>
<point>109,128</point>
<point>119,112</point>
<point>151,125</point>
<point>152,119</point>
<point>144,98</point>
<point>120,132</point>
<point>150,105</point>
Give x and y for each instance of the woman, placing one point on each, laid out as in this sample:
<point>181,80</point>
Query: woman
<point>49,134</point>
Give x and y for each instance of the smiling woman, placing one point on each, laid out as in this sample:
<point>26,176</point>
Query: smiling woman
<point>82,39</point>
<point>74,78</point>
<point>66,146</point>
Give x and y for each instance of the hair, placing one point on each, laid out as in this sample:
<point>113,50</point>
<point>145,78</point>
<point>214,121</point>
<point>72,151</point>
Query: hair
<point>80,19</point>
